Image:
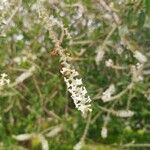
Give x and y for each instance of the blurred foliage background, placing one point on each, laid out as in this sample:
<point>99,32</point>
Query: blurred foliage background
<point>37,102</point>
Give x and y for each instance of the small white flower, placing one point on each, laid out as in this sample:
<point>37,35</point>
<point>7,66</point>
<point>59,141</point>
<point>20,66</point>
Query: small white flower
<point>4,4</point>
<point>54,131</point>
<point>27,136</point>
<point>140,57</point>
<point>25,75</point>
<point>124,113</point>
<point>78,146</point>
<point>17,60</point>
<point>119,50</point>
<point>104,132</point>
<point>136,71</point>
<point>22,137</point>
<point>18,37</point>
<point>4,80</point>
<point>107,16</point>
<point>44,142</point>
<point>108,93</point>
<point>99,56</point>
<point>3,75</point>
<point>109,63</point>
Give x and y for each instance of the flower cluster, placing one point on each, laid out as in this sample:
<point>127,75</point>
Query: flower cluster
<point>136,71</point>
<point>124,113</point>
<point>4,4</point>
<point>75,86</point>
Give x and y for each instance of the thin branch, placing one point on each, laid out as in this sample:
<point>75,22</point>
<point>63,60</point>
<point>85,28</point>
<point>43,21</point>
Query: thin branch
<point>86,128</point>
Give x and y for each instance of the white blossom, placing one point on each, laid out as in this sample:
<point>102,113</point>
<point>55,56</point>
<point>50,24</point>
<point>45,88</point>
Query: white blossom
<point>136,71</point>
<point>108,93</point>
<point>4,4</point>
<point>78,146</point>
<point>18,37</point>
<point>104,132</point>
<point>18,60</point>
<point>25,75</point>
<point>44,142</point>
<point>4,80</point>
<point>54,131</point>
<point>22,137</point>
<point>124,113</point>
<point>109,63</point>
<point>27,136</point>
<point>140,57</point>
<point>99,56</point>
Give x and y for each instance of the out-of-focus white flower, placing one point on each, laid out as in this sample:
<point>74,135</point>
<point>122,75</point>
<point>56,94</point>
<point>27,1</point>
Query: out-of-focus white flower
<point>99,56</point>
<point>109,63</point>
<point>55,131</point>
<point>106,96</point>
<point>140,57</point>
<point>107,16</point>
<point>44,142</point>
<point>42,50</point>
<point>4,80</point>
<point>4,4</point>
<point>104,132</point>
<point>18,37</point>
<point>119,50</point>
<point>78,146</point>
<point>27,21</point>
<point>137,71</point>
<point>79,12</point>
<point>19,60</point>
<point>24,58</point>
<point>24,137</point>
<point>25,75</point>
<point>124,113</point>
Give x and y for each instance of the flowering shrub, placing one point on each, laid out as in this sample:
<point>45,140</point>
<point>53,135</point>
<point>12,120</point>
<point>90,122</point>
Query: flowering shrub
<point>77,70</point>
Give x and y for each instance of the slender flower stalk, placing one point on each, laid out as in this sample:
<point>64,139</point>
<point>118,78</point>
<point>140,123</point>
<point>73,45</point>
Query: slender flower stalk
<point>71,76</point>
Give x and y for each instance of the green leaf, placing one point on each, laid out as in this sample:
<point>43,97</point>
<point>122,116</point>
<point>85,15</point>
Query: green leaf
<point>141,19</point>
<point>147,6</point>
<point>130,17</point>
